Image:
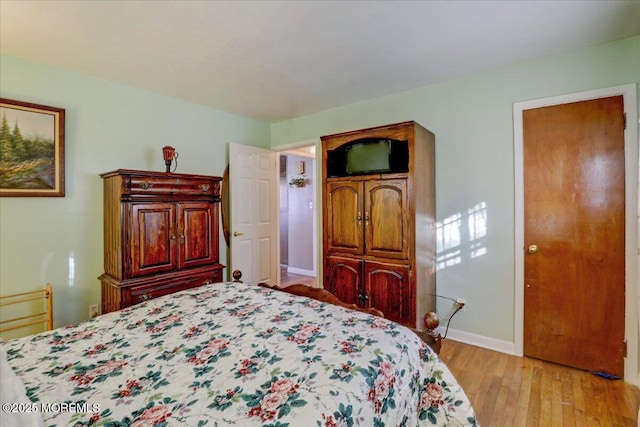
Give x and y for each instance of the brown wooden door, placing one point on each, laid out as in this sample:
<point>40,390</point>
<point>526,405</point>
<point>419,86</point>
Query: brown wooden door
<point>386,218</point>
<point>386,287</point>
<point>343,278</point>
<point>343,217</point>
<point>153,244</point>
<point>574,215</point>
<point>198,242</point>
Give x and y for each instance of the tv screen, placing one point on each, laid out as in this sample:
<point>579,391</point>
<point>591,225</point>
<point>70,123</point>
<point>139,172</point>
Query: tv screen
<point>370,156</point>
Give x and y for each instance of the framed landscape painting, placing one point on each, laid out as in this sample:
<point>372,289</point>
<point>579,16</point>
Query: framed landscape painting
<point>31,150</point>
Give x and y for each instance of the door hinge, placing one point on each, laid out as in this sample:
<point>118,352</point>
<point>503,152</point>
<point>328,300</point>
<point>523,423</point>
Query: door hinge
<point>624,121</point>
<point>624,348</point>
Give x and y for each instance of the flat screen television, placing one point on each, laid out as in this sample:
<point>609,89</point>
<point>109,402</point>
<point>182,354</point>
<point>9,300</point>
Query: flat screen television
<point>369,156</point>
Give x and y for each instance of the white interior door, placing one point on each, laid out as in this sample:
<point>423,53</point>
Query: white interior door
<point>253,200</point>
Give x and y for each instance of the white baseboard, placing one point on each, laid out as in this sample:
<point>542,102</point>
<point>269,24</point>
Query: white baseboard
<point>301,271</point>
<point>479,341</point>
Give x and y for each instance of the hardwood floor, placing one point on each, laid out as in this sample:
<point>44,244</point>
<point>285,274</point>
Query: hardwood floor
<point>287,279</point>
<point>513,391</point>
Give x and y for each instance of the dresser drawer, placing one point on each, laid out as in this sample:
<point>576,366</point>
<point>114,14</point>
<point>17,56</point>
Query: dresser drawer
<point>140,294</point>
<point>140,185</point>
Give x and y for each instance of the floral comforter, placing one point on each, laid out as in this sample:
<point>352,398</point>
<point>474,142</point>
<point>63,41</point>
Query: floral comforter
<point>236,354</point>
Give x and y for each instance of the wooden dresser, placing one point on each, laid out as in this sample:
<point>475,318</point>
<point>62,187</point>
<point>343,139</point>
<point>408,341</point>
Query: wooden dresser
<point>379,227</point>
<point>160,235</point>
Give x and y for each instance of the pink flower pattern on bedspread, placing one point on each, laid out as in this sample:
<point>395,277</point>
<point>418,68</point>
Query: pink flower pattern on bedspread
<point>236,354</point>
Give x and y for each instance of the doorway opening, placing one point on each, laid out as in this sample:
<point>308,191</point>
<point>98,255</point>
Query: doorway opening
<point>298,216</point>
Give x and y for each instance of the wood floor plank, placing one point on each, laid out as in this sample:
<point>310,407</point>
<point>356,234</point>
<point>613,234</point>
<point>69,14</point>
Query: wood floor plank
<point>505,393</point>
<point>513,380</point>
<point>525,394</point>
<point>579,404</point>
<point>511,391</point>
<point>568,411</point>
<point>547,397</point>
<point>600,405</point>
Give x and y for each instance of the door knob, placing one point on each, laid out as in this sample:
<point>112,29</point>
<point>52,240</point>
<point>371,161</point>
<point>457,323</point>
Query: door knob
<point>533,249</point>
<point>236,234</point>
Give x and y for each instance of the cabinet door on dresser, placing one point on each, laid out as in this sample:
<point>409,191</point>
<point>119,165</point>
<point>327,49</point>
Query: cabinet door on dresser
<point>152,242</point>
<point>387,287</point>
<point>343,216</point>
<point>198,241</point>
<point>343,278</point>
<point>386,218</point>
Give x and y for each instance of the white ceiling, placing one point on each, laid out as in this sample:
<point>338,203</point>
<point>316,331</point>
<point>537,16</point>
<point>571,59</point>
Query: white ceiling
<point>273,60</point>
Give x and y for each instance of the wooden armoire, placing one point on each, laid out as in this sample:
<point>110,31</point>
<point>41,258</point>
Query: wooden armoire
<point>160,235</point>
<point>379,219</point>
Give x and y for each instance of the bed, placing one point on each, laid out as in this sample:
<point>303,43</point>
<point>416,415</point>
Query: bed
<point>231,354</point>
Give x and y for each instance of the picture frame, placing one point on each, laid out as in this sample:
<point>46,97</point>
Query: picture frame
<point>31,149</point>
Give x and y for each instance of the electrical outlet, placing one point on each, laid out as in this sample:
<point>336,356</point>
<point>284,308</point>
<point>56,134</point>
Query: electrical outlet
<point>461,302</point>
<point>93,311</point>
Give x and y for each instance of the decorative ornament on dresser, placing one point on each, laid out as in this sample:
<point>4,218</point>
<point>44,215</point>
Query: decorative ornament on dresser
<point>169,154</point>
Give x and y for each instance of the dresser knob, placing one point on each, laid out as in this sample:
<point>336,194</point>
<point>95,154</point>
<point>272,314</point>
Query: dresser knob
<point>144,297</point>
<point>146,185</point>
<point>204,187</point>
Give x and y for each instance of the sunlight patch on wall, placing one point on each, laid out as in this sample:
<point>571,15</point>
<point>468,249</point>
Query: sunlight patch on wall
<point>72,270</point>
<point>448,246</point>
<point>462,236</point>
<point>477,222</point>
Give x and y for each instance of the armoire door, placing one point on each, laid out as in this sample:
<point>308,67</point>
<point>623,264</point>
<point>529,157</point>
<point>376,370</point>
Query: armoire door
<point>197,241</point>
<point>387,288</point>
<point>343,278</point>
<point>386,219</point>
<point>153,244</point>
<point>344,217</point>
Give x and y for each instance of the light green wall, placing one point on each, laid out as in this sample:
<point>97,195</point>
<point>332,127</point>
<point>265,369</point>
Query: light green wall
<point>111,126</point>
<point>472,118</point>
<point>108,126</point>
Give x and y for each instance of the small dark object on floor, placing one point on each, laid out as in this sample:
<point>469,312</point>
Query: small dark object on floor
<point>606,375</point>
